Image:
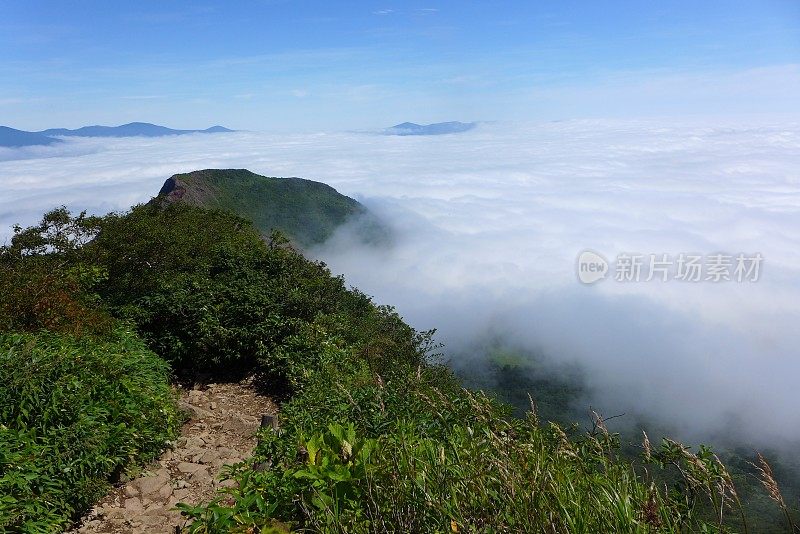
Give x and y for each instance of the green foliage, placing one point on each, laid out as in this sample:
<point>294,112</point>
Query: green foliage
<point>43,283</point>
<point>207,293</point>
<point>59,234</point>
<point>490,476</point>
<point>72,413</point>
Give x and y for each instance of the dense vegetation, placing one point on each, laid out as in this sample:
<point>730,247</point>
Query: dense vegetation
<point>82,398</point>
<point>75,413</point>
<point>375,435</point>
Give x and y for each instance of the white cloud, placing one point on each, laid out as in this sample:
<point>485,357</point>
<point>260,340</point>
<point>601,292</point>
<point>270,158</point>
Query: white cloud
<point>490,223</point>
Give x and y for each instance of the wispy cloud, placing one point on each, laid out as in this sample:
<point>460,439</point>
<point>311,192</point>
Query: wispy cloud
<point>143,97</point>
<point>15,101</point>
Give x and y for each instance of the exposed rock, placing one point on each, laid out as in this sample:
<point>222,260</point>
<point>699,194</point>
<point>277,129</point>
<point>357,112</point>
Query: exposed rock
<point>209,456</point>
<point>201,476</point>
<point>165,492</point>
<point>194,441</point>
<point>188,467</point>
<point>226,452</point>
<point>133,505</point>
<point>115,513</point>
<point>193,454</point>
<point>152,520</point>
<point>152,485</point>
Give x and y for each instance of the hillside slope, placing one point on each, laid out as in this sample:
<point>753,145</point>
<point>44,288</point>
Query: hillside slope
<point>306,211</point>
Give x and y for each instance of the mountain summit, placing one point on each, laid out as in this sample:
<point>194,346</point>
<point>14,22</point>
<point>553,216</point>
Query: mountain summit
<point>307,212</point>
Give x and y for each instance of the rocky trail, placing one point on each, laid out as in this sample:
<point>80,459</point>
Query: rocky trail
<point>221,431</point>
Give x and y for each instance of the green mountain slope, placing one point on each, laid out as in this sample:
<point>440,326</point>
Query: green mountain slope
<point>306,211</point>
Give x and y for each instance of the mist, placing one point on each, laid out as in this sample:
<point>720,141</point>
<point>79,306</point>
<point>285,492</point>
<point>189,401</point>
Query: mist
<point>488,225</point>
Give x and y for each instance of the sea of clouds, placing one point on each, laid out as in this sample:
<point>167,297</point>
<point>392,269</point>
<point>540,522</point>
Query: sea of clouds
<point>489,224</point>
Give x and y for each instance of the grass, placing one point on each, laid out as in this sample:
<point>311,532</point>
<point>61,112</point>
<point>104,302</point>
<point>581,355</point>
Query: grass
<point>75,412</point>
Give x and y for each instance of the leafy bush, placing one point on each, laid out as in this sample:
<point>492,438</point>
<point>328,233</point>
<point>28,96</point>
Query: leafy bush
<point>72,413</point>
<point>43,283</point>
<point>207,293</point>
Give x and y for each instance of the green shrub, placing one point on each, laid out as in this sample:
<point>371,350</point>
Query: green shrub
<point>74,411</point>
<point>207,293</point>
<point>43,283</point>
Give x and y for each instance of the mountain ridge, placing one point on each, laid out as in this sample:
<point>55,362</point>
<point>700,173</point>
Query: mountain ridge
<point>308,212</point>
<point>131,129</point>
<point>13,138</point>
<point>437,128</point>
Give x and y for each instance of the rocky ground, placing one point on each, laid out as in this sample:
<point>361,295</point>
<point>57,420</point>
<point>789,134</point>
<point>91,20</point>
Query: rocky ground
<point>221,431</point>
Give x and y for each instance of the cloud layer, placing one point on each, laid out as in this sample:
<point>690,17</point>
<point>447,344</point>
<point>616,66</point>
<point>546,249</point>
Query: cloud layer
<point>490,223</point>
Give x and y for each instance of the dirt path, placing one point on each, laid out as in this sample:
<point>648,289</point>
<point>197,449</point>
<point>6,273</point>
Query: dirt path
<point>224,419</point>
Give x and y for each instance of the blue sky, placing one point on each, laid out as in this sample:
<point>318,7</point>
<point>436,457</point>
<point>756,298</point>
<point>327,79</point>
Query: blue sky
<point>286,65</point>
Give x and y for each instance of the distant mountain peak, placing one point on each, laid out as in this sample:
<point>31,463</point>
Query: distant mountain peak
<point>10,137</point>
<point>438,128</point>
<point>131,129</point>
